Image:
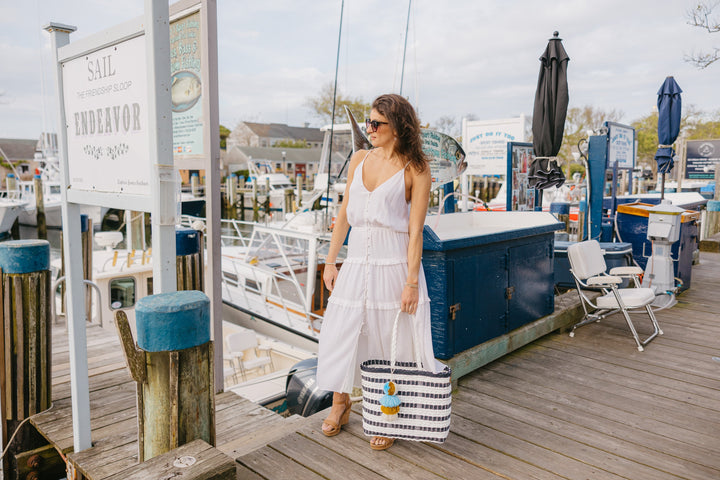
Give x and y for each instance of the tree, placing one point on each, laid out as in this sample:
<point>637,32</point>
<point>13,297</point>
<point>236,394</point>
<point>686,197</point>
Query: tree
<point>321,105</point>
<point>224,134</point>
<point>578,121</point>
<point>447,125</point>
<point>702,17</point>
<point>291,144</point>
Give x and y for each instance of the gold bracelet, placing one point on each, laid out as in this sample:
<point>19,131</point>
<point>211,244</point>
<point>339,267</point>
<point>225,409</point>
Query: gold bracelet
<point>411,285</point>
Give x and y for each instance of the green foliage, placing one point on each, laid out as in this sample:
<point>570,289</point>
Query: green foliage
<point>578,121</point>
<point>291,144</point>
<point>321,105</point>
<point>224,133</point>
<point>647,138</point>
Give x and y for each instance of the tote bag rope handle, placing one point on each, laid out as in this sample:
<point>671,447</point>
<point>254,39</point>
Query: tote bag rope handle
<point>393,346</point>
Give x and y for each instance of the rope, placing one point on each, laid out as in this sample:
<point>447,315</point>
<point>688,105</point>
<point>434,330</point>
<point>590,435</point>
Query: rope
<point>13,438</point>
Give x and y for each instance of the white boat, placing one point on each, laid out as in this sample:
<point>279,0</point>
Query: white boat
<point>10,209</point>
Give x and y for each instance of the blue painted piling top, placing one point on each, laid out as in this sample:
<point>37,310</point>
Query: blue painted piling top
<point>172,321</point>
<point>24,256</point>
<point>560,208</point>
<point>84,219</point>
<point>713,206</point>
<point>187,241</point>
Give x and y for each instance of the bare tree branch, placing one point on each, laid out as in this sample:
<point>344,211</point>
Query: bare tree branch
<point>702,17</point>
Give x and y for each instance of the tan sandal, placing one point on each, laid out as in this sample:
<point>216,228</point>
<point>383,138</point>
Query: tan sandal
<point>335,427</point>
<point>384,446</point>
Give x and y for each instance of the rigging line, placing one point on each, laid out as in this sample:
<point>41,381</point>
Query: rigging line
<point>332,122</point>
<point>407,25</point>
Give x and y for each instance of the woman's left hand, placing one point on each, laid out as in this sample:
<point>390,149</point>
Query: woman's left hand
<point>409,301</point>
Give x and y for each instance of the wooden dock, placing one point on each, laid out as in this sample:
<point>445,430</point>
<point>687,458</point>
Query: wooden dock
<point>588,407</point>
<point>241,425</point>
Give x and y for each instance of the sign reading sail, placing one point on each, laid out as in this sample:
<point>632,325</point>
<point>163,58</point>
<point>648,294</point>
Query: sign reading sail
<point>106,110</point>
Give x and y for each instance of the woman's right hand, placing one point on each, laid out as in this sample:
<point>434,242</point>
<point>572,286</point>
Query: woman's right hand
<point>330,273</point>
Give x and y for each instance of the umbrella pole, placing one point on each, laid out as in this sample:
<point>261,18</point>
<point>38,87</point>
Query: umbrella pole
<point>662,187</point>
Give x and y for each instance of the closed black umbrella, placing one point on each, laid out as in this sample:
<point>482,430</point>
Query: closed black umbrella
<point>549,112</point>
<point>669,115</point>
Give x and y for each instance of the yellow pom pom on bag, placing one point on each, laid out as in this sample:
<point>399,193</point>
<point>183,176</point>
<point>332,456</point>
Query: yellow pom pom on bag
<point>404,401</point>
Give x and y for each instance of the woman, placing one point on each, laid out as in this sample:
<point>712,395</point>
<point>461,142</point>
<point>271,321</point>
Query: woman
<point>385,202</point>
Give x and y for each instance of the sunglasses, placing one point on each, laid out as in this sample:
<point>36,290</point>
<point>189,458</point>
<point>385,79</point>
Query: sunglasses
<point>374,124</point>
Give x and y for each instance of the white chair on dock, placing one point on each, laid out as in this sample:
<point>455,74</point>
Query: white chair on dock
<point>238,345</point>
<point>587,265</point>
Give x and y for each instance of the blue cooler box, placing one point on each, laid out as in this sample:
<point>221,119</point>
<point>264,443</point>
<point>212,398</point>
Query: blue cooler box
<point>487,273</point>
<point>618,254</point>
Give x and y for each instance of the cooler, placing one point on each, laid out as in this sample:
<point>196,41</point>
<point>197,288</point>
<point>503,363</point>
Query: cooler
<point>487,273</point>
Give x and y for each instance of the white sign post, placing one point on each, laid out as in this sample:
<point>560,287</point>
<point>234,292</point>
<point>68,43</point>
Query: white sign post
<point>77,340</point>
<point>115,146</point>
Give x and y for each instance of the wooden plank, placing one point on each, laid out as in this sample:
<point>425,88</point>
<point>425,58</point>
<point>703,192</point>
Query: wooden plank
<point>322,460</point>
<point>587,453</point>
<point>20,371</point>
<point>32,324</point>
<point>568,397</point>
<point>613,375</point>
<point>271,464</point>
<point>419,460</point>
<point>638,362</point>
<point>45,343</point>
<point>512,393</point>
<point>621,397</point>
<point>537,455</point>
<point>622,456</point>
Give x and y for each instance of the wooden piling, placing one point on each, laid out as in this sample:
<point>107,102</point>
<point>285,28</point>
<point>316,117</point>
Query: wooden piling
<point>40,208</point>
<point>189,259</point>
<point>25,361</point>
<point>255,207</point>
<point>267,198</point>
<point>173,368</point>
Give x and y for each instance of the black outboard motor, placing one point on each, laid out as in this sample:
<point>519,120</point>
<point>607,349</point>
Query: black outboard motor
<point>301,391</point>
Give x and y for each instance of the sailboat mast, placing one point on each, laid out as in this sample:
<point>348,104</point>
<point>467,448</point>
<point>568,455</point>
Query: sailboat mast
<point>332,122</point>
<point>407,25</point>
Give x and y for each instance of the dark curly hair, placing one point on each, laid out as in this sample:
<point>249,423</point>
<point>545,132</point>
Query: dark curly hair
<point>404,121</point>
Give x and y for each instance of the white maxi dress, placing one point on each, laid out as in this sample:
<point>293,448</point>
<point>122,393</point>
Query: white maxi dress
<point>362,307</point>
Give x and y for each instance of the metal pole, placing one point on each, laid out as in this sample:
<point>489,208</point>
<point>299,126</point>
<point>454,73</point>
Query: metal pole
<point>402,70</point>
<point>332,122</point>
<point>72,248</point>
<point>160,139</point>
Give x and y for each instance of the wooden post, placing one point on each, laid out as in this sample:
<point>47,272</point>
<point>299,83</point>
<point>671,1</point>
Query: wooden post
<point>87,249</point>
<point>267,199</point>
<point>242,206</point>
<point>230,194</point>
<point>40,208</point>
<point>561,210</point>
<point>712,218</point>
<point>173,367</point>
<point>195,185</point>
<point>189,259</point>
<point>25,364</point>
<point>298,189</point>
<point>256,209</point>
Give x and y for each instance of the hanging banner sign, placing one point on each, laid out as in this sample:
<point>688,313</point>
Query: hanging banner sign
<point>186,87</point>
<point>106,119</point>
<point>703,157</point>
<point>621,145</point>
<point>485,144</point>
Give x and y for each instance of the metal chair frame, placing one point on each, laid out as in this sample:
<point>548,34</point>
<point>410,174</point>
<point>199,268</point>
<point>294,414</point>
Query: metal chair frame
<point>598,279</point>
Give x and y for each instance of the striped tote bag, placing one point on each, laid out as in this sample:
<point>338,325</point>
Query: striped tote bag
<point>402,400</point>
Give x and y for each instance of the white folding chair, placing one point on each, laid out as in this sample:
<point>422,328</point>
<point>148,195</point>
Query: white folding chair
<point>587,265</point>
<point>237,346</point>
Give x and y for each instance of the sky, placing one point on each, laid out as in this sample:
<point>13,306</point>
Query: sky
<point>464,57</point>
